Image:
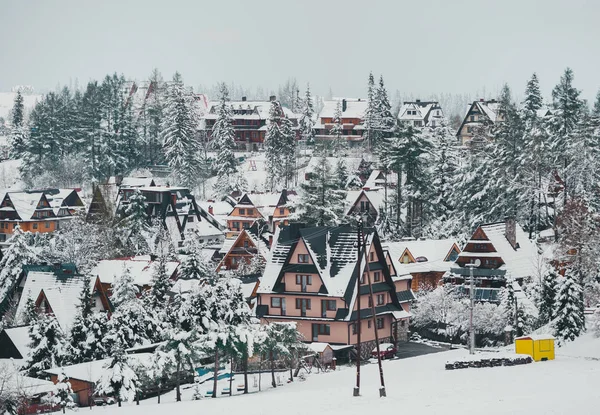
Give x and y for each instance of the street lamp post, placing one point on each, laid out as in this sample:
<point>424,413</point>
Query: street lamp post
<point>472,265</point>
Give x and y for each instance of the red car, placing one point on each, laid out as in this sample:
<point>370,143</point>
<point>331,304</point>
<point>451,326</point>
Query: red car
<point>386,351</point>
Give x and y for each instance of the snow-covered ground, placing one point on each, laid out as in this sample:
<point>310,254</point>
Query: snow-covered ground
<point>418,385</point>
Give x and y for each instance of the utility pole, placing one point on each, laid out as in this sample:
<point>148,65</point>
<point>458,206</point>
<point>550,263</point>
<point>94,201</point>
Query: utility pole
<point>357,387</point>
<point>382,393</point>
<point>472,297</point>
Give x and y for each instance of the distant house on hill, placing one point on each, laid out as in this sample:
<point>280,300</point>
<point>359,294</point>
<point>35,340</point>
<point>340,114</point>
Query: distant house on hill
<point>311,277</point>
<point>250,119</point>
<point>273,208</point>
<point>421,113</point>
<point>37,211</point>
<point>366,203</point>
<point>352,120</point>
<point>481,116</point>
<point>251,242</point>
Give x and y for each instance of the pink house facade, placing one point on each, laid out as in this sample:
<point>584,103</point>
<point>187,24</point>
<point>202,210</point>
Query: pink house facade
<point>310,278</point>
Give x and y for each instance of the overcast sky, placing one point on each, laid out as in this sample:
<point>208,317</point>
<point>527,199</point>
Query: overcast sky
<point>420,47</point>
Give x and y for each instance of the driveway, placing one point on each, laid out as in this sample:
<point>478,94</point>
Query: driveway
<point>411,349</point>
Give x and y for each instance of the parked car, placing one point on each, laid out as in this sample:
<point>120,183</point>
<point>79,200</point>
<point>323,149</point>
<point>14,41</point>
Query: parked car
<point>386,351</point>
<point>103,400</point>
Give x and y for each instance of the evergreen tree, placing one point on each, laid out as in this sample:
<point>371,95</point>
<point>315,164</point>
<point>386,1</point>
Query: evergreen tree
<point>91,132</point>
<point>508,303</point>
<point>568,307</point>
<point>62,395</point>
<point>444,169</point>
<point>279,339</point>
<point>306,122</point>
<point>223,136</point>
<point>79,331</point>
<point>48,346</point>
<point>18,111</point>
<point>135,222</point>
<point>547,295</point>
<point>119,378</point>
<point>182,348</point>
<point>180,143</point>
<point>383,121</point>
<point>370,116</point>
<point>321,202</point>
<point>339,142</point>
<point>193,265</point>
<point>123,289</point>
<point>154,114</point>
<point>18,131</point>
<point>533,100</point>
<point>280,146</point>
<point>341,174</point>
<point>161,284</point>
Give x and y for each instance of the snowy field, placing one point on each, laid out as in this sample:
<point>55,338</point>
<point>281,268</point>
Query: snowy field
<point>567,385</point>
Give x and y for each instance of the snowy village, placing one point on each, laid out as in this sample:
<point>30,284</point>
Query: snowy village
<point>298,247</point>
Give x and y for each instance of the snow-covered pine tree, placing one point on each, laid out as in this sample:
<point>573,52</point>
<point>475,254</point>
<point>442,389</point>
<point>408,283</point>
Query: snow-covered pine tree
<point>278,340</point>
<point>337,130</point>
<point>288,151</point>
<point>154,115</point>
<point>193,265</point>
<point>119,378</point>
<point>63,391</point>
<point>223,136</point>
<point>341,174</point>
<point>158,294</point>
<point>547,294</point>
<point>568,308</point>
<point>180,143</point>
<point>384,121</point>
<point>443,171</point>
<point>18,111</point>
<point>182,348</point>
<point>508,303</point>
<point>21,251</point>
<point>135,223</point>
<point>508,140</point>
<point>274,143</point>
<point>321,202</point>
<point>534,161</point>
<point>124,289</point>
<point>18,131</point>
<point>90,129</point>
<point>306,122</point>
<point>78,338</point>
<point>48,346</point>
<point>370,115</point>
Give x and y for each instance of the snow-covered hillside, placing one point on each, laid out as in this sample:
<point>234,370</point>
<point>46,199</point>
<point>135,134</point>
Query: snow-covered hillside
<point>420,386</point>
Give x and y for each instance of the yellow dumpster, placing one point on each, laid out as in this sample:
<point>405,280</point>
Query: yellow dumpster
<point>539,347</point>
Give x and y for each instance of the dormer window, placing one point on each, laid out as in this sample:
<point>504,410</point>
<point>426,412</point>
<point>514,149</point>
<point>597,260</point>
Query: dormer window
<point>303,258</point>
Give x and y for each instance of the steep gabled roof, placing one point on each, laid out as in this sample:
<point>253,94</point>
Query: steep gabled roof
<point>355,108</point>
<point>435,250</point>
<point>141,269</point>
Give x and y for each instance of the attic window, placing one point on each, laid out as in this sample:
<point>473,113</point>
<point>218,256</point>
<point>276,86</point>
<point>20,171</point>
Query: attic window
<point>250,212</point>
<point>242,211</point>
<point>303,258</point>
<point>421,259</point>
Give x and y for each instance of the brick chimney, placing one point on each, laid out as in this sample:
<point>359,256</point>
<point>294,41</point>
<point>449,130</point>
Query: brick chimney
<point>344,105</point>
<point>272,98</point>
<point>210,210</point>
<point>270,241</point>
<point>511,231</point>
<point>243,99</point>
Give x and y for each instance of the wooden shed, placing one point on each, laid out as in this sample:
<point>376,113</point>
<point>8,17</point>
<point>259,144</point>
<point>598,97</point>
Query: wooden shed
<point>540,347</point>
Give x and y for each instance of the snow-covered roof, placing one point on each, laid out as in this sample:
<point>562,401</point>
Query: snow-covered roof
<point>377,179</point>
<point>220,209</point>
<point>20,338</point>
<point>25,203</point>
<point>376,198</point>
<point>417,110</point>
<point>14,381</point>
<point>267,202</point>
<point>355,108</point>
<point>62,293</point>
<point>435,250</point>
<point>92,371</point>
<point>518,263</point>
<point>258,110</point>
<point>202,227</point>
<point>141,269</point>
<point>137,181</point>
<point>318,347</point>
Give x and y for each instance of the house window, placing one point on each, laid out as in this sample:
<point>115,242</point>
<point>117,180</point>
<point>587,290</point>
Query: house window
<point>380,299</point>
<point>370,301</point>
<point>371,256</point>
<point>472,118</point>
<point>242,211</point>
<point>35,226</point>
<point>246,225</point>
<point>250,212</point>
<point>236,225</point>
<point>470,130</point>
<point>362,278</point>
<point>369,323</point>
<point>281,211</point>
<point>276,302</point>
<point>303,281</point>
<point>302,304</point>
<point>377,276</point>
<point>246,244</point>
<point>380,323</point>
<point>190,218</point>
<point>303,258</point>
<point>327,305</point>
<point>353,328</point>
<point>47,225</point>
<point>364,206</point>
<point>418,123</point>
<point>324,329</point>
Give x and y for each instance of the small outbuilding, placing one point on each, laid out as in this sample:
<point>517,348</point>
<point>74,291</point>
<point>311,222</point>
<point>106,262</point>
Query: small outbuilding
<point>539,347</point>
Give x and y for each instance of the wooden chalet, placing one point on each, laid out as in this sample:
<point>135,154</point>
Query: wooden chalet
<point>421,113</point>
<point>423,262</point>
<point>310,278</point>
<point>272,208</point>
<point>353,112</point>
<point>505,253</point>
<point>366,203</point>
<point>250,242</point>
<point>56,290</point>
<point>250,120</point>
<point>36,211</point>
<point>475,128</point>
